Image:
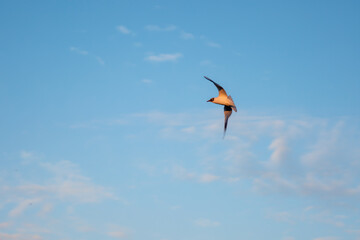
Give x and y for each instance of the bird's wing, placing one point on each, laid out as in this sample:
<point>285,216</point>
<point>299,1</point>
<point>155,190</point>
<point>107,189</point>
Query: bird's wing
<point>221,90</point>
<point>227,113</point>
<point>233,104</point>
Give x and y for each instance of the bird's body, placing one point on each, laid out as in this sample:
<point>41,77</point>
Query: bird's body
<point>223,99</point>
<point>226,101</point>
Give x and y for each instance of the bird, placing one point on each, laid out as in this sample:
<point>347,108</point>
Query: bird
<point>223,99</point>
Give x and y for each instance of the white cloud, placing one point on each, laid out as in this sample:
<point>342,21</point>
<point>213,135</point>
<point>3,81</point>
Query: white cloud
<point>20,236</point>
<point>117,234</point>
<point>22,206</point>
<point>189,130</point>
<point>283,217</point>
<point>146,81</point>
<point>186,35</point>
<point>123,29</point>
<point>69,184</point>
<point>319,216</point>
<point>100,61</point>
<point>213,44</point>
<point>207,63</point>
<point>310,157</point>
<point>280,151</point>
<point>181,173</point>
<point>207,178</point>
<point>138,44</point>
<point>232,179</point>
<point>5,224</point>
<point>79,51</point>
<point>31,228</point>
<point>156,28</point>
<point>327,238</point>
<point>288,238</point>
<point>203,222</point>
<point>164,57</point>
<point>86,53</point>
<point>27,155</point>
<point>66,184</point>
<point>97,123</point>
<point>47,207</point>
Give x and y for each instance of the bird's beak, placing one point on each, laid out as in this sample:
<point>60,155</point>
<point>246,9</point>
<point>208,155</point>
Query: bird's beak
<point>208,101</point>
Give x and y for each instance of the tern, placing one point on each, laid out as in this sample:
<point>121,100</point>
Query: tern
<point>223,99</point>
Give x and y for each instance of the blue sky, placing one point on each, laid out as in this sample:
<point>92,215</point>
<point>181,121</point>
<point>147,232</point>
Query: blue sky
<point>106,132</point>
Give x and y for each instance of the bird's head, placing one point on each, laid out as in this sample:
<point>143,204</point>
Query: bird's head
<point>211,100</point>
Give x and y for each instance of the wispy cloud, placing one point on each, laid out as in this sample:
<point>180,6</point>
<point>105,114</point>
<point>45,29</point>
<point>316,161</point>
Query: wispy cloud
<point>86,53</point>
<point>22,206</point>
<point>327,238</point>
<point>280,151</point>
<point>312,157</point>
<point>67,184</point>
<point>156,28</point>
<point>213,44</point>
<point>308,156</point>
<point>100,61</point>
<point>146,81</point>
<point>98,123</point>
<point>207,63</point>
<point>283,217</point>
<point>79,51</point>
<point>27,155</point>
<point>137,44</point>
<point>164,57</point>
<point>204,222</point>
<point>123,30</point>
<point>117,234</point>
<point>20,236</point>
<point>186,35</point>
<point>182,173</point>
<point>210,43</point>
<point>207,178</point>
<point>5,224</point>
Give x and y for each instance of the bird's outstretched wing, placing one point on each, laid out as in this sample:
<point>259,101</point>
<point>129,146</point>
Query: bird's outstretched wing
<point>232,103</point>
<point>227,113</point>
<point>220,88</point>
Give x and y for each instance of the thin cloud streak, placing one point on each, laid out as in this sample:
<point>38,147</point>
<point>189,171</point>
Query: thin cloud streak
<point>65,185</point>
<point>313,170</point>
<point>86,53</point>
<point>213,45</point>
<point>20,236</point>
<point>181,173</point>
<point>156,28</point>
<point>164,57</point>
<point>186,35</point>
<point>22,206</point>
<point>203,222</point>
<point>79,51</point>
<point>5,224</point>
<point>123,30</point>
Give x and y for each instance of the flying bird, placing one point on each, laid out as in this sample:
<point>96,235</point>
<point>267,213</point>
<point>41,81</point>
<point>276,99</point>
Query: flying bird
<point>223,99</point>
